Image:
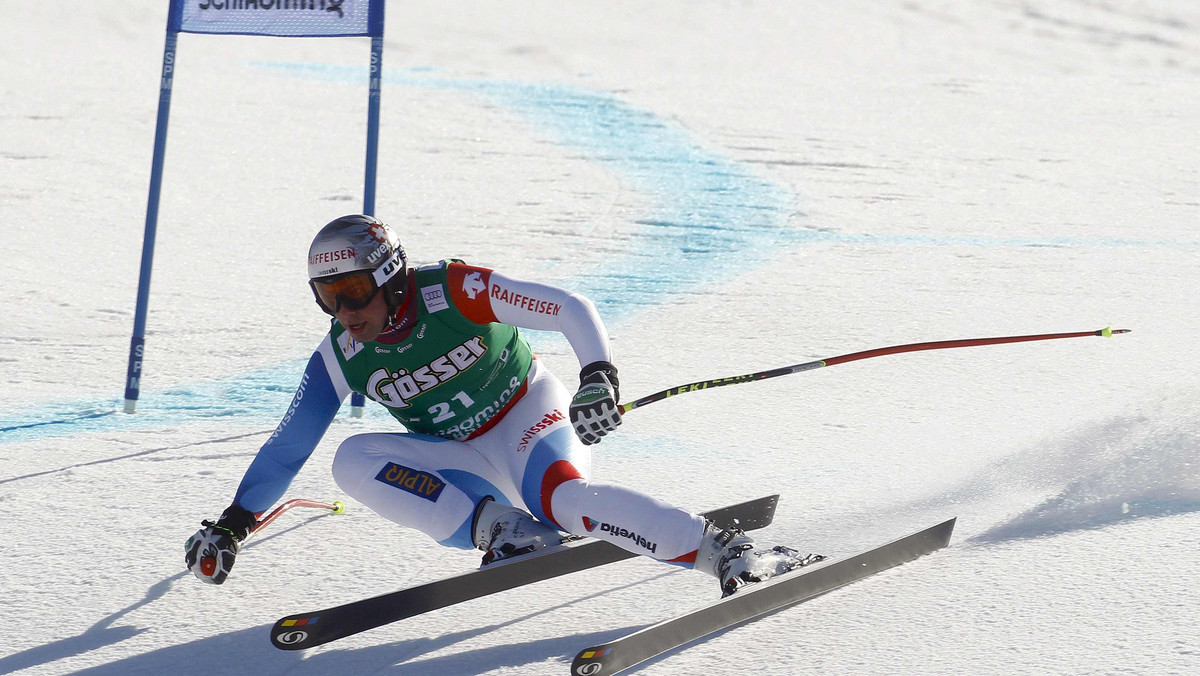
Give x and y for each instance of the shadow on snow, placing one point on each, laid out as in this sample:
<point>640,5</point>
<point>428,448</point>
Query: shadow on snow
<point>250,649</point>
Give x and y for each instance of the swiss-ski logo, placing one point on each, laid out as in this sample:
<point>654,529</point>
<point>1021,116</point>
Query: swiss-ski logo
<point>545,423</point>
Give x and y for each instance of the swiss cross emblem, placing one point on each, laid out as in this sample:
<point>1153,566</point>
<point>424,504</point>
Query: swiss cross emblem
<point>378,232</point>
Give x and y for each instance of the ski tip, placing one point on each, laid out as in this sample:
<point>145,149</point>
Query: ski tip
<point>945,529</point>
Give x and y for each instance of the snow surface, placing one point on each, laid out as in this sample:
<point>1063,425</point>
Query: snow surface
<point>740,186</point>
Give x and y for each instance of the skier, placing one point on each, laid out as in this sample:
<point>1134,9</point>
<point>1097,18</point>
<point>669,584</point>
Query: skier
<point>496,455</point>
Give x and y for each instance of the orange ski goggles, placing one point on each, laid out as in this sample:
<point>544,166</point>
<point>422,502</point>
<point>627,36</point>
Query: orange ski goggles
<point>352,291</point>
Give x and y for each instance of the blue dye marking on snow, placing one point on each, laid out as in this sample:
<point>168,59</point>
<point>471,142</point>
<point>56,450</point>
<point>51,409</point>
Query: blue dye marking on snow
<point>263,394</point>
<point>709,216</point>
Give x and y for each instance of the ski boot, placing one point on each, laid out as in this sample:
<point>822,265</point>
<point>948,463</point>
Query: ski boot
<point>503,531</point>
<point>728,554</point>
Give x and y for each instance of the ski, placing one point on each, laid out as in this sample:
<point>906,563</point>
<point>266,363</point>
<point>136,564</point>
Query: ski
<point>755,600</point>
<point>296,632</point>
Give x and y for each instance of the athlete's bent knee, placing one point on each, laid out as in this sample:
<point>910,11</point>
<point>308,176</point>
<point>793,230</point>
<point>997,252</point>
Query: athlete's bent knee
<point>350,464</point>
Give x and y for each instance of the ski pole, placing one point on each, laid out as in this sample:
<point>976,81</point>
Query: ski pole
<point>855,356</point>
<point>337,507</point>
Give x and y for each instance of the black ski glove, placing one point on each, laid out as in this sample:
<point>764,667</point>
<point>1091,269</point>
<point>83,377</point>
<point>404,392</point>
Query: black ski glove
<point>594,411</point>
<point>212,550</point>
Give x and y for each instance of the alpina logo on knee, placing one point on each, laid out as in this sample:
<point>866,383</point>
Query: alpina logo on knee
<point>421,484</point>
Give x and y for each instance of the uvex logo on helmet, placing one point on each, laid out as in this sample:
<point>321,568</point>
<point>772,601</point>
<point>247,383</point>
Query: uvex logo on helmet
<point>390,268</point>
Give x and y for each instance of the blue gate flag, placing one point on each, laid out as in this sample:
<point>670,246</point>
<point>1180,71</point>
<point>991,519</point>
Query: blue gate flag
<point>282,18</point>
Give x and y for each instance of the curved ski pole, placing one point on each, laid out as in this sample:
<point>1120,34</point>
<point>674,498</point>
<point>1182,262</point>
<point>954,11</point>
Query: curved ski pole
<point>337,507</point>
<point>855,356</point>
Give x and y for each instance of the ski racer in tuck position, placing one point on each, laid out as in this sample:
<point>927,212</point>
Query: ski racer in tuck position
<point>496,455</point>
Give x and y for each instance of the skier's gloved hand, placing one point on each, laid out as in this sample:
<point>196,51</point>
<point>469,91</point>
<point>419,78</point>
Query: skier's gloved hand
<point>594,411</point>
<point>212,550</point>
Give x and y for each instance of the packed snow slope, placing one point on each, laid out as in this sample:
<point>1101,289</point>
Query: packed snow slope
<point>739,186</point>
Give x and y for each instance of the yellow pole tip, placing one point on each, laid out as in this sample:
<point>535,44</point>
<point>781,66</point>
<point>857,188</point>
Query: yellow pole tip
<point>339,507</point>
